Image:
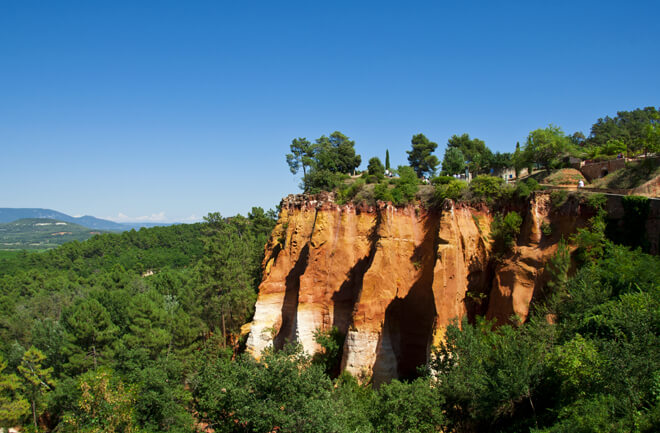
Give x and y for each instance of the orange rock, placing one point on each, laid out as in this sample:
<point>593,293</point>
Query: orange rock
<point>392,278</point>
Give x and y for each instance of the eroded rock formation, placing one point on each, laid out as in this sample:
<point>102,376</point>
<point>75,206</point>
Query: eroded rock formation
<point>391,279</point>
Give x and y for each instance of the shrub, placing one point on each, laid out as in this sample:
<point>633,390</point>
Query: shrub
<point>525,188</point>
<point>546,229</point>
<point>441,180</point>
<point>504,231</point>
<point>453,190</point>
<point>405,187</point>
<point>376,167</point>
<point>321,180</point>
<point>558,198</point>
<point>382,192</point>
<point>349,191</point>
<point>487,188</point>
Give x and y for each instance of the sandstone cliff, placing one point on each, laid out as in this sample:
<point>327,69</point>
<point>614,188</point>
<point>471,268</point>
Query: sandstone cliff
<point>391,279</point>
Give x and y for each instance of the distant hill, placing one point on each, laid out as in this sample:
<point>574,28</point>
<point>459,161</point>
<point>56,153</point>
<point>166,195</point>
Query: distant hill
<point>41,233</point>
<point>13,214</point>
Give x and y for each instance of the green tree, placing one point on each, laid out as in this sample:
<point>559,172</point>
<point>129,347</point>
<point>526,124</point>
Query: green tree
<point>227,280</point>
<point>406,186</point>
<point>627,126</point>
<point>284,391</point>
<point>387,159</point>
<point>453,161</point>
<point>487,188</point>
<point>105,405</point>
<point>327,160</point>
<point>13,406</point>
<point>301,156</point>
<point>375,167</point>
<point>504,231</point>
<point>519,160</point>
<point>474,150</point>
<point>336,153</point>
<point>90,332</point>
<point>414,407</point>
<point>491,378</point>
<point>546,145</point>
<point>501,161</point>
<point>37,380</point>
<point>420,157</point>
<point>651,138</point>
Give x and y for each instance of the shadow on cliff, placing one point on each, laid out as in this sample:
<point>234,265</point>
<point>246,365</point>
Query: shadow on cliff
<point>287,331</point>
<point>408,325</point>
<point>346,297</point>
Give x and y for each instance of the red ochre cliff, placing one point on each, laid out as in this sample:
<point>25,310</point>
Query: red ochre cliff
<point>392,278</point>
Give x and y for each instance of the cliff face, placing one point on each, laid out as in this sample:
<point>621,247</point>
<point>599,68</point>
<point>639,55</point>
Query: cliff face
<point>391,279</point>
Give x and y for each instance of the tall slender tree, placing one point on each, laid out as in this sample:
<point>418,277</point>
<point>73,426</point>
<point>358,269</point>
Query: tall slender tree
<point>37,380</point>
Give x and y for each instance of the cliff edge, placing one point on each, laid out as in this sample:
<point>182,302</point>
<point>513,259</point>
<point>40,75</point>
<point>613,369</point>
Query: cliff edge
<point>392,278</point>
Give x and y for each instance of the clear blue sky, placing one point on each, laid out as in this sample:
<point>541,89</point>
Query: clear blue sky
<point>168,110</point>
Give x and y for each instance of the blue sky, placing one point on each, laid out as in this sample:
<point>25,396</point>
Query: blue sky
<point>168,110</point>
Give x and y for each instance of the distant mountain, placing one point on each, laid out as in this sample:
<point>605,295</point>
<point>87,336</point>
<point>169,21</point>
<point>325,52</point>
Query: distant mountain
<point>41,233</point>
<point>13,214</point>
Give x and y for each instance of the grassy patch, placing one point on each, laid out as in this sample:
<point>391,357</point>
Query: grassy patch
<point>564,176</point>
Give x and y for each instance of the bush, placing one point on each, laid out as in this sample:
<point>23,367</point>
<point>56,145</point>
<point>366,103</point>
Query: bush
<point>321,180</point>
<point>453,190</point>
<point>382,192</point>
<point>349,191</point>
<point>558,198</point>
<point>526,187</point>
<point>376,167</point>
<point>504,231</point>
<point>405,187</point>
<point>487,188</point>
<point>441,180</point>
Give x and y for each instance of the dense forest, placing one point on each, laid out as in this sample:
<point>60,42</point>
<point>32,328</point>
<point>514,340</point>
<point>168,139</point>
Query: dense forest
<point>141,331</point>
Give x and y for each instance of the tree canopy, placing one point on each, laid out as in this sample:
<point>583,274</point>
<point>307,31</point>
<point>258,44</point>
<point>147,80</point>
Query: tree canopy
<point>546,145</point>
<point>324,161</point>
<point>421,157</point>
<point>453,161</point>
<point>473,149</point>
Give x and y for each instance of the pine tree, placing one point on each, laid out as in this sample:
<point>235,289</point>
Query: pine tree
<point>37,380</point>
<point>387,159</point>
<point>13,406</point>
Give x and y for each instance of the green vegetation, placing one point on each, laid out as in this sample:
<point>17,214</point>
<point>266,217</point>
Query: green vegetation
<point>41,233</point>
<point>91,342</point>
<point>405,188</point>
<point>504,231</point>
<point>546,146</point>
<point>635,131</point>
<point>453,161</point>
<point>474,150</point>
<point>101,335</point>
<point>563,176</point>
<point>325,163</point>
<point>486,188</point>
<point>420,157</point>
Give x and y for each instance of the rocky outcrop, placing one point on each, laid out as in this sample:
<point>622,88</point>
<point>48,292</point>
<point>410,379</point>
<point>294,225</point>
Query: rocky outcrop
<point>392,278</point>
